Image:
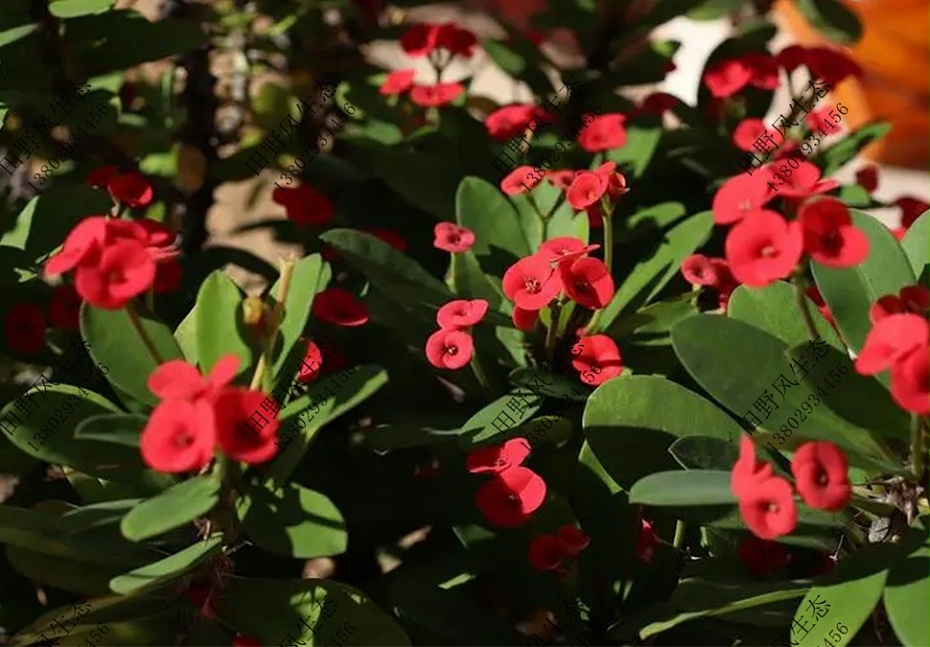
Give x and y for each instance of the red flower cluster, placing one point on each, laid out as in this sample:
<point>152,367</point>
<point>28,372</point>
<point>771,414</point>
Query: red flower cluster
<point>597,359</point>
<point>451,346</point>
<point>711,273</point>
<point>514,492</point>
<point>115,260</point>
<point>766,501</point>
<point>198,413</point>
<point>453,238</point>
<point>130,189</point>
<point>900,342</point>
<point>549,552</point>
<point>423,39</point>
<point>339,307</point>
<point>912,298</point>
<point>305,205</point>
<point>508,121</point>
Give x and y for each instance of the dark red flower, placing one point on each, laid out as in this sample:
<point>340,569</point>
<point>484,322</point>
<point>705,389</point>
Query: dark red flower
<point>419,39</point>
<point>768,508</point>
<point>598,360</point>
<point>531,283</point>
<point>565,248</point>
<point>831,65</point>
<point>546,553</point>
<point>101,176</point>
<point>748,132</point>
<point>587,282</point>
<point>245,640</point>
<point>748,471</point>
<point>820,474</point>
<point>504,123</point>
<point>456,39</point>
<point>867,177</point>
<point>201,597</point>
<point>524,320</point>
<point>791,57</point>
<point>436,95</point>
<point>698,270</point>
<point>763,249</point>
<point>820,119</point>
<point>741,196</point>
<point>806,181</point>
<point>390,237</point>
<point>65,307</point>
<point>658,103</point>
<point>453,238</point>
<point>561,179</point>
<point>573,539</point>
<point>450,349</point>
<point>763,70</point>
<point>340,307</point>
<point>510,498</point>
<point>727,77</point>
<point>830,238</point>
<point>245,430</point>
<point>131,189</point>
<point>603,133</point>
<point>763,557</point>
<point>520,180</point>
<point>910,382</point>
<point>311,364</point>
<point>305,205</point>
<point>461,313</point>
<point>646,541</point>
<point>124,270</point>
<point>24,328</point>
<point>911,209</point>
<point>586,189</point>
<point>397,82</point>
<point>891,340</point>
<point>498,458</point>
<point>179,436</point>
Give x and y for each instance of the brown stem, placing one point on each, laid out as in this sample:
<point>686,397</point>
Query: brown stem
<point>137,324</point>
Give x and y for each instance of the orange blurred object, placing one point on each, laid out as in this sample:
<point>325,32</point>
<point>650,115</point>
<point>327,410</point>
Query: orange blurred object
<point>894,53</point>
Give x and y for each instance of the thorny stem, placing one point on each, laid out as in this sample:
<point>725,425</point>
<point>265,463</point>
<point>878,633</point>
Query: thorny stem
<point>801,300</point>
<point>552,332</point>
<point>137,324</point>
<point>287,271</point>
<point>917,456</point>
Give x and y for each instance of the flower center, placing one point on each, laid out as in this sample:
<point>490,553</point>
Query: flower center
<point>822,479</point>
<point>532,285</point>
<point>513,500</point>
<point>582,287</point>
<point>452,350</point>
<point>745,205</point>
<point>832,241</point>
<point>455,239</point>
<point>772,507</point>
<point>183,440</point>
<point>768,251</point>
<point>114,276</point>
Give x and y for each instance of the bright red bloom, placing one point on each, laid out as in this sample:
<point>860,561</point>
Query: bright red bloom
<point>305,205</point>
<point>867,177</point>
<point>511,497</point>
<point>524,320</point>
<point>831,65</point>
<point>910,382</point>
<point>748,471</point>
<point>698,270</point>
<point>452,238</point>
<point>461,313</point>
<point>573,539</point>
<point>390,237</point>
<point>911,209</point>
<point>514,183</point>
<point>890,341</point>
<point>451,349</point>
<point>131,189</point>
<point>763,249</point>
<point>245,640</point>
<point>911,298</point>
<point>179,436</point>
<point>616,182</point>
<point>599,359</point>
<point>646,541</point>
<point>806,181</point>
<point>791,57</point>
<point>101,176</point>
<point>124,270</point>
<point>65,307</point>
<point>455,39</point>
<point>768,508</point>
<point>178,380</point>
<point>741,196</point>
<point>82,245</point>
<point>420,39</point>
<point>436,95</point>
<point>498,458</point>
<point>504,123</point>
<point>763,69</point>
<point>830,238</point>
<point>531,283</point>
<point>397,82</point>
<point>820,474</point>
<point>748,132</point>
<point>311,364</point>
<point>762,557</point>
<point>726,78</point>
<point>24,328</point>
<point>586,189</point>
<point>340,307</point>
<point>564,248</point>
<point>238,433</point>
<point>561,179</point>
<point>603,133</point>
<point>820,118</point>
<point>588,282</point>
<point>546,553</point>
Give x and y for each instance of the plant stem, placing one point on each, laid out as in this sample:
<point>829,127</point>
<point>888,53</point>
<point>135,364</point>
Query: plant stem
<point>480,375</point>
<point>680,529</point>
<point>137,324</point>
<point>801,300</point>
<point>552,332</point>
<point>264,361</point>
<point>917,457</point>
<point>608,261</point>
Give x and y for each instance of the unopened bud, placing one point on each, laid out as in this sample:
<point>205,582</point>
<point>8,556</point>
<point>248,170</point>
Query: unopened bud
<point>253,310</point>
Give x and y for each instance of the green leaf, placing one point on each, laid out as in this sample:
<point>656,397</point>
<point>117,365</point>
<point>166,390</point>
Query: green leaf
<point>169,568</point>
<point>117,428</point>
<point>630,435</point>
<point>906,598</point>
<point>714,9</point>
<point>774,309</point>
<point>831,18</point>
<point>493,423</point>
<point>75,8</point>
<point>837,155</point>
<point>173,508</point>
<point>916,245</point>
<point>305,283</point>
<point>115,343</point>
<point>58,209</point>
<point>16,33</point>
<point>684,488</point>
<point>294,522</point>
<point>639,149</point>
<point>219,327</point>
<point>186,336</point>
<point>470,282</point>
<point>498,225</point>
<point>851,292</point>
<point>704,452</point>
<point>74,575</point>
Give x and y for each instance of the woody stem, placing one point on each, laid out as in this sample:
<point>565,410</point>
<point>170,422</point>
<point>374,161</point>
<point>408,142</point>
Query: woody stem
<point>917,457</point>
<point>137,324</point>
<point>608,261</point>
<point>287,271</point>
<point>803,307</point>
<point>552,333</point>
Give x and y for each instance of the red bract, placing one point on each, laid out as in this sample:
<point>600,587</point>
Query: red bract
<point>499,458</point>
<point>814,294</point>
<point>910,382</point>
<point>911,298</point>
<point>531,283</point>
<point>587,282</point>
<point>561,179</point>
<point>524,320</point>
<point>762,557</point>
<point>124,270</point>
<point>564,248</point>
<point>586,189</point>
<point>131,189</point>
<point>510,498</point>
<point>101,176</point>
<point>305,205</point>
<point>891,340</point>
<point>504,123</point>
<point>741,196</point>
<point>820,474</point>
<point>763,69</point>
<point>867,177</point>
<point>616,182</point>
<point>573,539</point>
<point>830,238</point>
<point>806,181</point>
<point>747,471</point>
<point>831,65</point>
<point>452,238</point>
<point>246,429</point>
<point>646,541</point>
<point>397,82</point>
<point>245,640</point>
<point>390,237</point>
<point>340,307</point>
<point>455,39</point>
<point>461,313</point>
<point>820,119</point>
<point>726,78</point>
<point>599,359</point>
<point>763,249</point>
<point>546,553</point>
<point>514,183</point>
<point>911,209</point>
<point>603,133</point>
<point>178,380</point>
<point>698,270</point>
<point>65,307</point>
<point>768,508</point>
<point>179,436</point>
<point>24,328</point>
<point>748,132</point>
<point>658,103</point>
<point>82,245</point>
<point>420,39</point>
<point>451,349</point>
<point>311,364</point>
<point>436,95</point>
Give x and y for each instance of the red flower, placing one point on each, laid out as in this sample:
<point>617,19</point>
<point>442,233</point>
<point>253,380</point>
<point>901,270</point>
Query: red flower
<point>436,95</point>
<point>748,132</point>
<point>586,189</point>
<point>124,270</point>
<point>420,39</point>
<point>890,341</point>
<point>390,237</point>
<point>726,78</point>
<point>499,458</point>
<point>339,307</point>
<point>814,294</point>
<point>821,119</point>
<point>646,541</point>
<point>451,349</point>
<point>514,182</point>
<point>25,328</point>
<point>101,176</point>
<point>587,281</point>
<point>831,65</point>
<point>791,57</point>
<point>561,179</point>
<point>867,177</point>
<point>452,238</point>
<point>201,597</point>
<point>805,181</point>
<point>179,436</point>
<point>461,313</point>
<point>82,246</point>
<point>65,307</point>
<point>911,209</point>
<point>748,471</point>
<point>397,82</point>
<point>603,133</point>
<point>829,235</point>
<point>178,380</point>
<point>698,270</point>
<point>741,196</point>
<point>911,298</point>
<point>658,103</point>
<point>565,248</point>
<point>240,433</point>
<point>510,498</point>
<point>504,123</point>
<point>531,283</point>
<point>305,205</point>
<point>762,557</point>
<point>546,553</point>
<point>768,508</point>
<point>763,249</point>
<point>616,182</point>
<point>599,359</point>
<point>167,276</point>
<point>311,363</point>
<point>524,320</point>
<point>573,539</point>
<point>245,640</point>
<point>131,189</point>
<point>820,474</point>
<point>455,39</point>
<point>910,382</point>
<point>763,69</point>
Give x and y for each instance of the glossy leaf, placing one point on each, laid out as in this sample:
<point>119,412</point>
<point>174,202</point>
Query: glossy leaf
<point>116,428</point>
<point>704,452</point>
<point>775,310</point>
<point>305,283</point>
<point>483,208</point>
<point>837,155</point>
<point>916,244</point>
<point>170,567</point>
<point>175,507</point>
<point>74,8</point>
<point>684,488</point>
<point>219,327</point>
<point>906,597</point>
